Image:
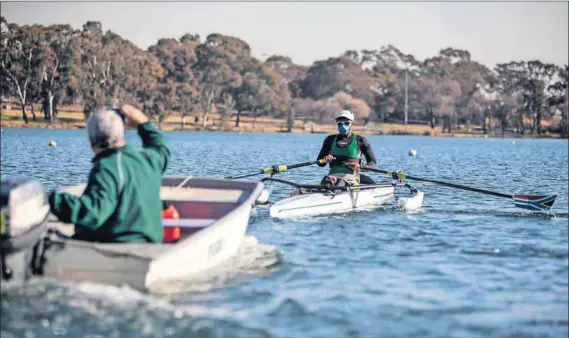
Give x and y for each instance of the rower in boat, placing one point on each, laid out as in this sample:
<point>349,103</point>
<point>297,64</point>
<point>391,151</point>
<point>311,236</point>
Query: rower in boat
<point>121,202</point>
<point>343,153</point>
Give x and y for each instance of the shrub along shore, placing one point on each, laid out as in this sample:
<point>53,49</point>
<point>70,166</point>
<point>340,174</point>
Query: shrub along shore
<point>73,118</point>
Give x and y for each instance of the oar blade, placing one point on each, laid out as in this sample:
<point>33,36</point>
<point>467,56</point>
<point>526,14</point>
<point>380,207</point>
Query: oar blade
<point>534,202</point>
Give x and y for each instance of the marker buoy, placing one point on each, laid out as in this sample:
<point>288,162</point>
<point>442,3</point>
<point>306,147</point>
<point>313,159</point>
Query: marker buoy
<point>513,142</point>
<point>52,143</point>
<point>412,152</point>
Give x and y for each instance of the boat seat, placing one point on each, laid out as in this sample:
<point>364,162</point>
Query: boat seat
<point>188,223</point>
<point>201,210</point>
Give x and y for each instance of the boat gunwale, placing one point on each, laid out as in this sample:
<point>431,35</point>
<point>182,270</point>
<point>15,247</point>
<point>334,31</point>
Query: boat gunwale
<point>254,193</point>
<point>120,248</point>
<point>331,189</point>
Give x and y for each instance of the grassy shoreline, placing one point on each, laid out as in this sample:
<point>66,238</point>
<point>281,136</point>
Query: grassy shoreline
<point>75,120</point>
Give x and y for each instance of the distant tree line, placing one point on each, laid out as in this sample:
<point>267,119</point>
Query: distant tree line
<point>55,65</point>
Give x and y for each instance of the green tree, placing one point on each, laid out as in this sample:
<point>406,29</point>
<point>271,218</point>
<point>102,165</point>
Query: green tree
<point>220,60</point>
<point>111,69</point>
<point>558,98</point>
<point>177,59</point>
<point>57,58</point>
<point>19,47</point>
<point>326,78</point>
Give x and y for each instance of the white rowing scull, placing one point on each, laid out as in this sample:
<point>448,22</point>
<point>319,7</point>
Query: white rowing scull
<point>310,200</point>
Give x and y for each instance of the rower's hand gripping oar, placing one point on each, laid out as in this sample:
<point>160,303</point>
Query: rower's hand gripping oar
<point>530,202</point>
<point>276,169</point>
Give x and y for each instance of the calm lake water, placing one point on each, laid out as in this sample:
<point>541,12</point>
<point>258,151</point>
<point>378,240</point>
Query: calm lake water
<point>466,265</point>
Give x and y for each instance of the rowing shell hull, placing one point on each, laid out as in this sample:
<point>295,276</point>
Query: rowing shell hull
<point>311,204</point>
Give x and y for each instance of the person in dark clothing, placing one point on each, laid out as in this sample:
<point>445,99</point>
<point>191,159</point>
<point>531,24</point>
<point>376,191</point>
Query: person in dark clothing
<point>343,152</point>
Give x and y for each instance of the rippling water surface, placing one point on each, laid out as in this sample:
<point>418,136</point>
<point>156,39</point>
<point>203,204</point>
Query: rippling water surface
<point>466,265</point>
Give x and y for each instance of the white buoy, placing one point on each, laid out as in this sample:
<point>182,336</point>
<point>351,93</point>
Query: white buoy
<point>52,143</point>
<point>485,136</point>
<point>412,152</point>
<point>263,197</point>
<point>513,142</point>
<point>411,203</point>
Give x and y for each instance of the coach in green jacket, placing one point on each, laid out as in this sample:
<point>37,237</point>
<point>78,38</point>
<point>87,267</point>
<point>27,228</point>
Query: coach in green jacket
<point>121,202</point>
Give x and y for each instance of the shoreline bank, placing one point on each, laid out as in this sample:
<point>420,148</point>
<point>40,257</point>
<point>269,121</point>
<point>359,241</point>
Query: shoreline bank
<point>383,130</point>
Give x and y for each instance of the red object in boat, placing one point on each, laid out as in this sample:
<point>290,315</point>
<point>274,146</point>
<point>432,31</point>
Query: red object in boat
<point>170,213</point>
<point>170,233</point>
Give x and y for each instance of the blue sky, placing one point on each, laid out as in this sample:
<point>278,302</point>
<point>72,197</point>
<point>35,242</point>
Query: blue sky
<point>492,32</point>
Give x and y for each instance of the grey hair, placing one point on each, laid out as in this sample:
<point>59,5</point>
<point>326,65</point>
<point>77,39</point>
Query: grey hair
<point>105,129</point>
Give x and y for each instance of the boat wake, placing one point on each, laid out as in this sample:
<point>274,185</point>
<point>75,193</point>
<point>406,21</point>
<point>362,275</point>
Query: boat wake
<point>390,207</point>
<point>161,305</point>
<point>253,258</point>
<point>514,213</point>
<point>119,310</point>
<point>106,308</point>
<point>524,251</point>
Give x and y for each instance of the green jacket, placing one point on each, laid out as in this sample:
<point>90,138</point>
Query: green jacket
<point>121,202</point>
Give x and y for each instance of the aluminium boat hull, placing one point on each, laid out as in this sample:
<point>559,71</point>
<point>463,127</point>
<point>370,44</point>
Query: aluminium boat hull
<point>216,211</point>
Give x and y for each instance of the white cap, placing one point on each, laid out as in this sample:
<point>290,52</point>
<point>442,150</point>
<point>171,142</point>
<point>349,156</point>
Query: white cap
<point>346,114</point>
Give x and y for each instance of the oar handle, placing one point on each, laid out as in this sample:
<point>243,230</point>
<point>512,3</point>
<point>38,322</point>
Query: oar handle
<point>281,168</point>
<point>305,164</point>
<point>278,169</point>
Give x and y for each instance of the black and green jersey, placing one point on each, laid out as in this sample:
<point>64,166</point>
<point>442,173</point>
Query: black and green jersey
<point>350,153</point>
<point>346,149</point>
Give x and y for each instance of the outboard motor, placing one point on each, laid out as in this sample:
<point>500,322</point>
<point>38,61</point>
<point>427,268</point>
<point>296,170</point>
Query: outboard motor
<point>24,209</point>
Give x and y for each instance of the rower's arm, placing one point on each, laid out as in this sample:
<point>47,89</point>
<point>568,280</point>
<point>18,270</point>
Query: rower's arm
<point>325,150</point>
<point>95,206</point>
<point>365,147</point>
<point>155,148</point>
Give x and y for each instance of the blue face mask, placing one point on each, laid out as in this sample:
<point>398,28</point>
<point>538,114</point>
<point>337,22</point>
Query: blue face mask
<point>343,129</point>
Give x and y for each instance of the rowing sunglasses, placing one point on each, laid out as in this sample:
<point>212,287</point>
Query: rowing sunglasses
<point>346,123</point>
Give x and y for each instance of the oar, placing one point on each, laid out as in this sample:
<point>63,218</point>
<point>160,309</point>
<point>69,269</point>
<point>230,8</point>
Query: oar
<point>276,169</point>
<point>530,202</point>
